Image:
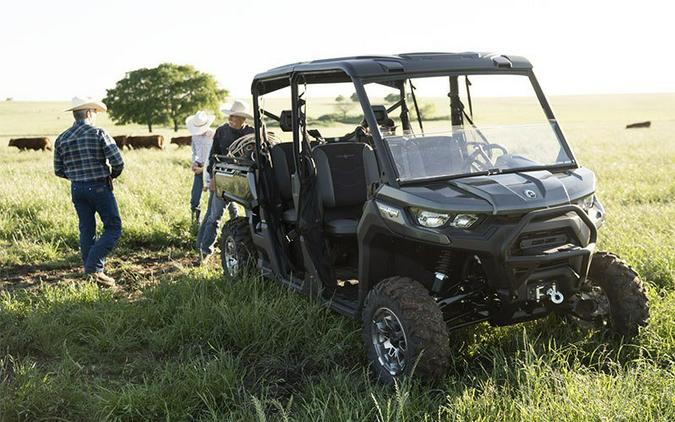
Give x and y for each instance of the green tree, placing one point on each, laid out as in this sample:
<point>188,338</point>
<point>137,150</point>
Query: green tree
<point>343,105</point>
<point>427,111</point>
<point>165,94</point>
<point>187,90</point>
<point>354,98</point>
<point>392,98</point>
<point>135,99</point>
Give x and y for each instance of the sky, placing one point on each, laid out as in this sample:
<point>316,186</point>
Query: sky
<point>54,50</point>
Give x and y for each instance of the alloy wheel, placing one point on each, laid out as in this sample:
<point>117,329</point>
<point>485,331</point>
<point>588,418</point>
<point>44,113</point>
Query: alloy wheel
<point>231,261</point>
<point>389,340</point>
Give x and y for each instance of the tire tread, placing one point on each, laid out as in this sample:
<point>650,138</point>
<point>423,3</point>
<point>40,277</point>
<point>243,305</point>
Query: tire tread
<point>239,230</point>
<point>424,320</point>
<point>629,306</point>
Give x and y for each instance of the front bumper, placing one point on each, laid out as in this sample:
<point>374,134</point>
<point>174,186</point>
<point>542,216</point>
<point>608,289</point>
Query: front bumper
<point>511,260</point>
<point>566,266</point>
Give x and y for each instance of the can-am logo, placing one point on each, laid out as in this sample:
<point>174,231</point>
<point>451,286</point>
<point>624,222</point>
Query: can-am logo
<point>530,194</point>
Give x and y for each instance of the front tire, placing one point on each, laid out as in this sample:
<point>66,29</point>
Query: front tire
<point>404,331</point>
<point>623,289</point>
<point>236,247</point>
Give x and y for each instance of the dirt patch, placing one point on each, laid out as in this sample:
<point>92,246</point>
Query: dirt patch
<point>132,271</point>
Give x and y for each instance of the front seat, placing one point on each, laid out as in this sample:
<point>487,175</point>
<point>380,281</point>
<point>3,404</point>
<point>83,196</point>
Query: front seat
<point>344,171</point>
<point>283,164</point>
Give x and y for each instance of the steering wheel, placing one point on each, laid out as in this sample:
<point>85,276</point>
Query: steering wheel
<point>481,157</point>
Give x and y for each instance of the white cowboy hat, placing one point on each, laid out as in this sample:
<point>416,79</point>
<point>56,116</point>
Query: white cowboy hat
<point>199,123</point>
<point>238,109</point>
<point>87,103</point>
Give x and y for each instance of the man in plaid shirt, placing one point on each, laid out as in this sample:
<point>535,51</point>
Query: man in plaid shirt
<point>89,158</point>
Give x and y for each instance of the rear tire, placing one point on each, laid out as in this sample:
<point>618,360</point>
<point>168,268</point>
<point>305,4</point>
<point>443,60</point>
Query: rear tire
<point>236,247</point>
<point>628,304</point>
<point>404,332</point>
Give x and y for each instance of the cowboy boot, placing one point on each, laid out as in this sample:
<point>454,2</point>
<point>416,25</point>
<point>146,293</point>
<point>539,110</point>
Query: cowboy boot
<point>194,227</point>
<point>102,279</point>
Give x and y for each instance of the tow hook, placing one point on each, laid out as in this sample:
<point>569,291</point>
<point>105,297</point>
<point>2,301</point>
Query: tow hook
<point>555,295</point>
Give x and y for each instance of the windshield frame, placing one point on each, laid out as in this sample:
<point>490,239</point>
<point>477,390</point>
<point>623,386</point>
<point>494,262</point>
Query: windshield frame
<point>388,156</point>
<point>418,180</point>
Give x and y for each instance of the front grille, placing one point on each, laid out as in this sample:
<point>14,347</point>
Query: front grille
<point>543,242</point>
<point>532,243</point>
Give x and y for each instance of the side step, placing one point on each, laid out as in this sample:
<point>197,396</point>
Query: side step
<point>343,306</point>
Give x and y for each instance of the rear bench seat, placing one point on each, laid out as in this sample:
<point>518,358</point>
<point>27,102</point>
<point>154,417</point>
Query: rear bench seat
<point>344,171</point>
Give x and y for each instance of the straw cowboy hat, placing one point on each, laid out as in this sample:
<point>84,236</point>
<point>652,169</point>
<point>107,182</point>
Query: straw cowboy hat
<point>87,103</point>
<point>199,123</point>
<point>238,109</point>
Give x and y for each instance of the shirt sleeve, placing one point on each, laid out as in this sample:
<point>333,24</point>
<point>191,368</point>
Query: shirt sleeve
<point>112,154</point>
<point>196,148</point>
<point>59,168</point>
<point>215,150</point>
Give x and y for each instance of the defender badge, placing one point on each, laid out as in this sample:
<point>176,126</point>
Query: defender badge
<point>530,194</point>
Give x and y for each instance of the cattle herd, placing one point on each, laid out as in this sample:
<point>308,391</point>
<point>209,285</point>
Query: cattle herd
<point>43,143</point>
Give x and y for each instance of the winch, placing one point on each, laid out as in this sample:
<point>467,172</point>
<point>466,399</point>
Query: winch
<point>538,292</point>
<point>555,295</point>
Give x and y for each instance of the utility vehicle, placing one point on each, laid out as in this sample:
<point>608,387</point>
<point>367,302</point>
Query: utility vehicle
<point>420,223</point>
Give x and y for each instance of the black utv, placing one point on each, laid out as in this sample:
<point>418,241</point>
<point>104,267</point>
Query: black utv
<point>422,221</point>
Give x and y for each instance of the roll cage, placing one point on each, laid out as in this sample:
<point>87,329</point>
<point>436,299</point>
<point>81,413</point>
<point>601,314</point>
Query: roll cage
<point>391,71</point>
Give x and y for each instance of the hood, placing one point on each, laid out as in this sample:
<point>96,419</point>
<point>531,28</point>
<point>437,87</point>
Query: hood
<point>501,193</point>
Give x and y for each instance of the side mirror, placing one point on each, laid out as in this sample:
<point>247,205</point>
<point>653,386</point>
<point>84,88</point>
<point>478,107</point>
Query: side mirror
<point>380,112</point>
<point>286,121</point>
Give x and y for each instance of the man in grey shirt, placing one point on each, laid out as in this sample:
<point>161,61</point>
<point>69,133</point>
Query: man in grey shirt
<point>235,128</point>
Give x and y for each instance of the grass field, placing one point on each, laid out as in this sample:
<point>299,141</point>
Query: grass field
<point>176,342</point>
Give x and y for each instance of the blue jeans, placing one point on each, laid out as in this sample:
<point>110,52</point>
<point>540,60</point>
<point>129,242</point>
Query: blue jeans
<point>208,230</point>
<point>196,195</point>
<point>91,198</point>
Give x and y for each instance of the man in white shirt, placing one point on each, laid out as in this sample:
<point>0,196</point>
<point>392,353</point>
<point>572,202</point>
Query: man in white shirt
<point>199,126</point>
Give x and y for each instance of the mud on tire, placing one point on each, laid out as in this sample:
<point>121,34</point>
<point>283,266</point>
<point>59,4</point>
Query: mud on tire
<point>628,304</point>
<point>236,247</point>
<point>426,349</point>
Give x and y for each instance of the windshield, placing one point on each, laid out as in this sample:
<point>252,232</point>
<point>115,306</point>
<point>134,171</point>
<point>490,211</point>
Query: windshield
<point>462,151</point>
<point>464,125</point>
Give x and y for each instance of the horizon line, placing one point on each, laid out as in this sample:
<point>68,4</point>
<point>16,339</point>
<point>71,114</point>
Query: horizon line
<point>50,100</point>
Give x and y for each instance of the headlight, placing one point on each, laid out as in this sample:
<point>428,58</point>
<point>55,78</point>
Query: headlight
<point>433,219</point>
<point>586,203</point>
<point>464,221</point>
<point>429,219</point>
<point>390,212</point>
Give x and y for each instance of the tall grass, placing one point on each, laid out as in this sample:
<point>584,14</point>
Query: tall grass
<point>38,222</point>
<point>202,346</point>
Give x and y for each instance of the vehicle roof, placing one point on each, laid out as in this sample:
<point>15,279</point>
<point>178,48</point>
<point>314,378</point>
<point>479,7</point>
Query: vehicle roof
<point>343,69</point>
